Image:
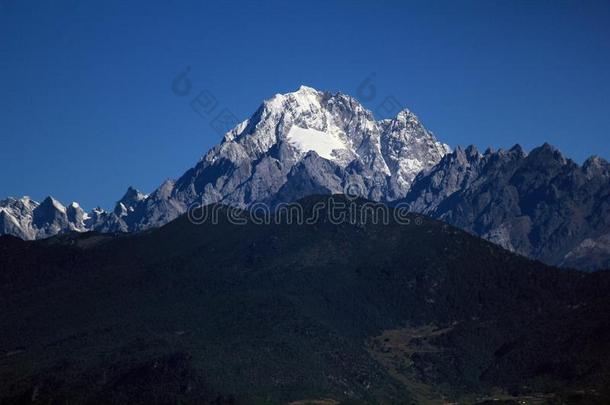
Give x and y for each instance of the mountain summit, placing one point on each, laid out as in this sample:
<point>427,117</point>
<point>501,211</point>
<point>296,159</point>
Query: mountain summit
<point>329,140</point>
<point>332,136</point>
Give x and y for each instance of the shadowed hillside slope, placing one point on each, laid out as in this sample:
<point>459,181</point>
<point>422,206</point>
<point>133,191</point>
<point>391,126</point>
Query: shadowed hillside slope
<point>226,313</point>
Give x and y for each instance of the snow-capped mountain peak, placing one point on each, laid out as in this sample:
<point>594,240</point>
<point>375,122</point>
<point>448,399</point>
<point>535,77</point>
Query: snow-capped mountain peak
<point>295,143</point>
<point>51,202</point>
<point>261,152</point>
<point>128,202</point>
<point>304,98</point>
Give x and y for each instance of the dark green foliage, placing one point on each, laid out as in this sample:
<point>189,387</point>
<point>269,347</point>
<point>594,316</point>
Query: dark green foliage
<point>221,313</point>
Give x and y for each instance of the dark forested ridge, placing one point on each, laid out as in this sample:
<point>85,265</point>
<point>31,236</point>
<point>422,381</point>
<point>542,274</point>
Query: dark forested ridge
<point>223,313</point>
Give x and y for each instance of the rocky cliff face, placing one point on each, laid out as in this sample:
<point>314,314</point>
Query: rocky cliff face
<point>540,204</point>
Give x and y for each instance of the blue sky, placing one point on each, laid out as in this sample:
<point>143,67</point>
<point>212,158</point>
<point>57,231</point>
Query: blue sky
<point>87,106</point>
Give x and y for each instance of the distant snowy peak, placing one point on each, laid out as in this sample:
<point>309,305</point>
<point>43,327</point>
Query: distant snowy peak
<point>129,201</point>
<point>306,141</point>
<point>132,196</point>
<point>409,148</point>
<point>29,219</point>
<point>337,127</point>
<point>285,119</point>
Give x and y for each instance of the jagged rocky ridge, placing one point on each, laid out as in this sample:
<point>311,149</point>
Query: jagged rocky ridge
<point>294,145</point>
<point>28,219</point>
<point>541,205</point>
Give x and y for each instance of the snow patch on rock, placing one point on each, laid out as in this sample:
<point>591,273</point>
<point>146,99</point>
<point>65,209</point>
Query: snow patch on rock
<point>305,140</point>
